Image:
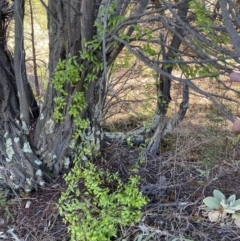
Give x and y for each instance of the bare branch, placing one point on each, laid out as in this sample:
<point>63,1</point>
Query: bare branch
<point>229,26</point>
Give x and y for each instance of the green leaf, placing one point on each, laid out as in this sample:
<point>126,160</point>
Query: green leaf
<point>218,195</point>
<point>237,202</point>
<point>212,202</point>
<point>231,200</point>
<point>236,207</point>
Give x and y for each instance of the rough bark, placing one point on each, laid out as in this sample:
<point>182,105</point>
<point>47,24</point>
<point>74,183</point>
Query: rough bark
<point>164,128</point>
<point>34,50</point>
<point>70,24</point>
<point>164,87</point>
<point>19,166</point>
<point>51,139</point>
<point>233,33</point>
<point>19,64</point>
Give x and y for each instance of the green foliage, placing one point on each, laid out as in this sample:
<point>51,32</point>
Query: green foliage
<point>193,71</point>
<point>96,212</point>
<point>5,204</point>
<point>3,197</point>
<point>112,20</point>
<point>92,210</point>
<point>66,71</point>
<point>144,237</point>
<point>69,71</point>
<point>205,22</point>
<point>202,16</point>
<point>60,101</point>
<point>147,48</point>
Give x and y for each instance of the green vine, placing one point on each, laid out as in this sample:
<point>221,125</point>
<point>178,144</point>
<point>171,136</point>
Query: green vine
<point>97,212</point>
<point>91,209</point>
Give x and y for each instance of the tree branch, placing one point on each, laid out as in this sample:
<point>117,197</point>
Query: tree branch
<point>229,26</point>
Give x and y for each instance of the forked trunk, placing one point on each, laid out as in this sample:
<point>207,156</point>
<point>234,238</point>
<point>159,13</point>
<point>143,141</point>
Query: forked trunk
<point>19,166</point>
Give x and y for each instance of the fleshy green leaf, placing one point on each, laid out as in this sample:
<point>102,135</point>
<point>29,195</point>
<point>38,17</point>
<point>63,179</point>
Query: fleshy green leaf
<point>231,200</point>
<point>237,202</point>
<point>212,202</point>
<point>236,207</point>
<point>224,205</point>
<point>218,195</point>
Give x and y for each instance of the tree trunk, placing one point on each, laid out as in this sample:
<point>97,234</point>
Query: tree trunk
<point>164,87</point>
<point>19,166</point>
<point>37,87</point>
<point>52,139</point>
<point>26,152</point>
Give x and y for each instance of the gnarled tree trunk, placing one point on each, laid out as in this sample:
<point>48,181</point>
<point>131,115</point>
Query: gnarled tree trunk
<point>71,23</point>
<point>19,166</point>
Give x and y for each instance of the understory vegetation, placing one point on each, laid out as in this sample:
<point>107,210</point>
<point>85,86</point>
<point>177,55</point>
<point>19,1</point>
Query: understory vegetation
<point>200,155</point>
<point>130,131</point>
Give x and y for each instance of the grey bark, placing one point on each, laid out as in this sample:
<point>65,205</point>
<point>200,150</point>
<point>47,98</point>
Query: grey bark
<point>70,24</point>
<point>19,166</point>
<point>19,62</point>
<point>51,139</point>
<point>234,35</point>
<point>34,50</point>
<point>164,87</point>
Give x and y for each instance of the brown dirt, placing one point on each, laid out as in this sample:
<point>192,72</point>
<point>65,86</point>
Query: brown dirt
<point>41,221</point>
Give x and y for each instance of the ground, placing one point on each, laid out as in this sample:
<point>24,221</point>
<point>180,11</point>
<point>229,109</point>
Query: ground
<point>199,156</point>
<point>195,159</point>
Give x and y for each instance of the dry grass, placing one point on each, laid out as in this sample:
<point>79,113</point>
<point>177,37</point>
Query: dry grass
<point>198,157</point>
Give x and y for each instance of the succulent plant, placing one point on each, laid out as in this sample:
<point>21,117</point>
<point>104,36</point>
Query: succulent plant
<point>220,203</point>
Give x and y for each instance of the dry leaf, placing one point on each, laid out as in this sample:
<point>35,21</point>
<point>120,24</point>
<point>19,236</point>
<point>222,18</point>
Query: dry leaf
<point>28,203</point>
<point>214,216</point>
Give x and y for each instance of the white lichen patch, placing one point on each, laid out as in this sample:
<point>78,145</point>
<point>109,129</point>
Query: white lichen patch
<point>98,133</point>
<point>8,160</point>
<point>39,173</point>
<point>9,150</point>
<point>24,127</point>
<point>38,162</point>
<point>29,181</point>
<point>54,156</point>
<point>66,162</point>
<point>16,139</point>
<point>27,148</point>
<point>41,116</point>
<point>41,183</point>
<point>8,142</point>
<point>49,126</point>
<point>98,144</point>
